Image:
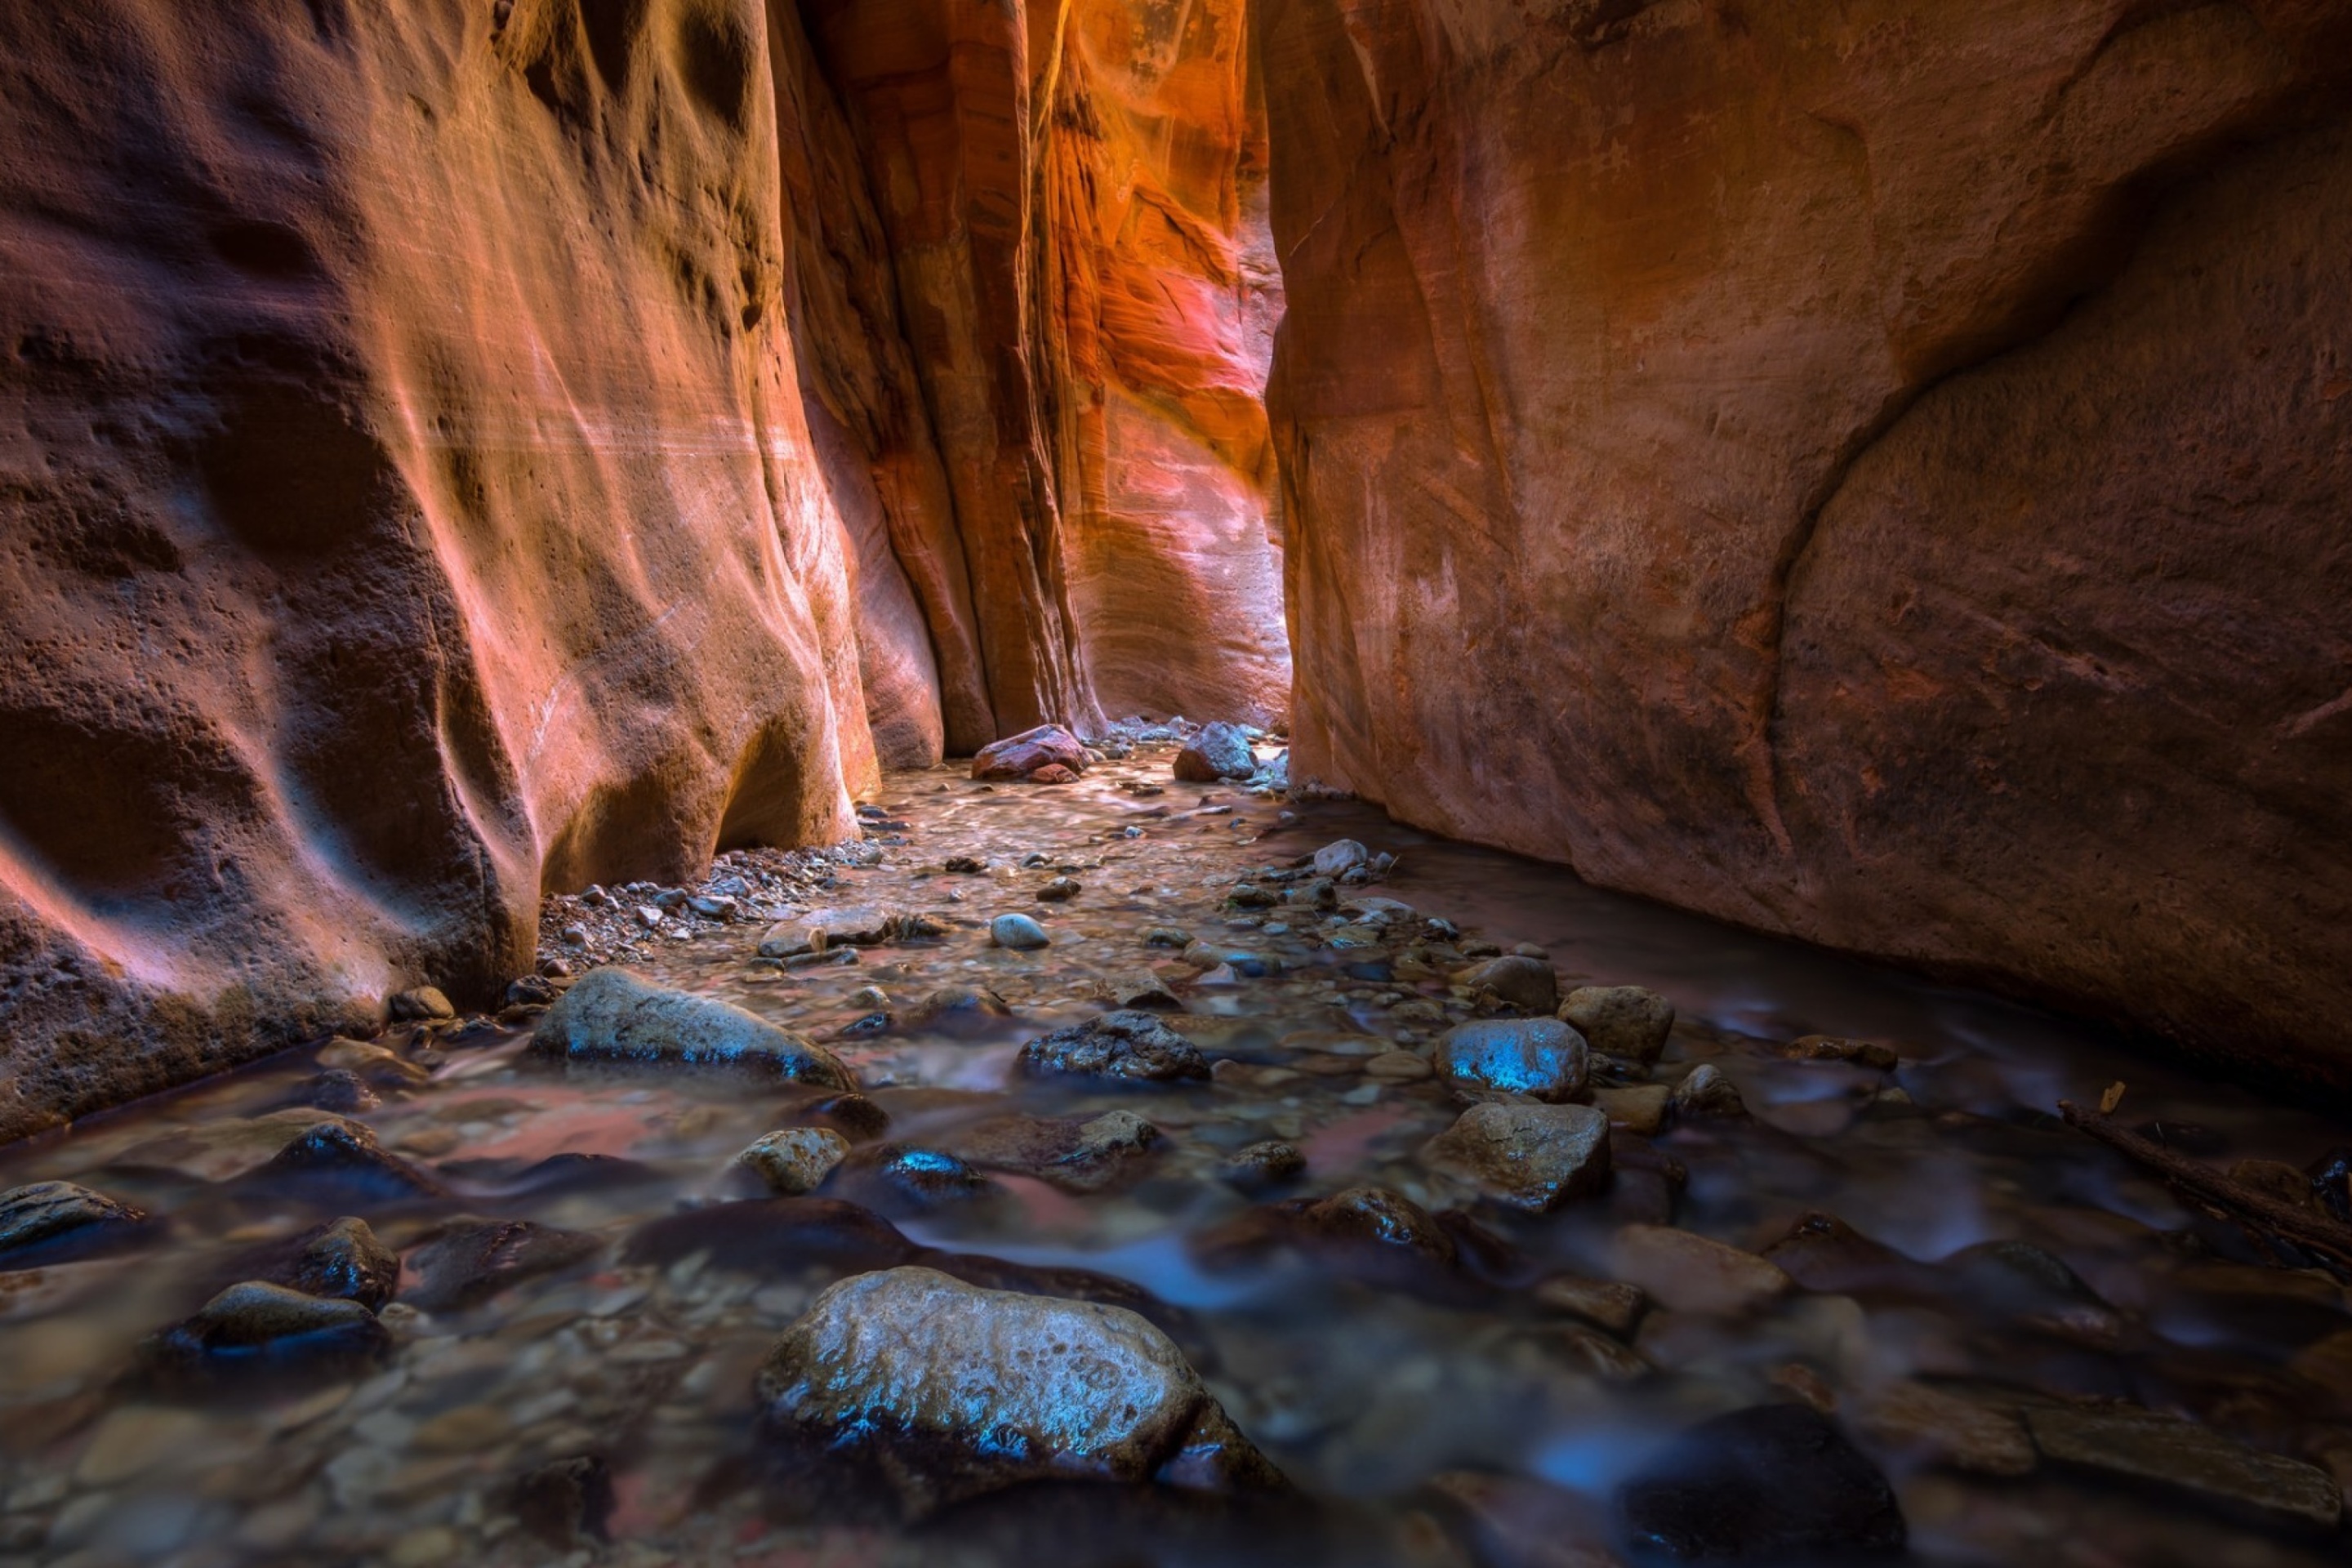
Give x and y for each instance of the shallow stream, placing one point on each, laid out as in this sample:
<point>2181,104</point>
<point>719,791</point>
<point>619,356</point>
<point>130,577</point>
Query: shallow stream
<point>1487,1413</point>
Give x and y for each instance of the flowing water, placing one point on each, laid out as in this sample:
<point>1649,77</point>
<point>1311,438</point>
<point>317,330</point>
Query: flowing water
<point>1475,1416</point>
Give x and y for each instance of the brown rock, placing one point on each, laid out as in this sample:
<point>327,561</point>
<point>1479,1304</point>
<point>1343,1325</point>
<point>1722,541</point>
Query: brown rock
<point>1840,545</point>
<point>1928,1423</point>
<point>1021,755</point>
<point>1834,1049</point>
<point>1527,983</point>
<point>1686,1272</point>
<point>1532,1156</point>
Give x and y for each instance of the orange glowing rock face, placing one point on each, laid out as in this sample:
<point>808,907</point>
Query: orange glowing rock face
<point>410,500</point>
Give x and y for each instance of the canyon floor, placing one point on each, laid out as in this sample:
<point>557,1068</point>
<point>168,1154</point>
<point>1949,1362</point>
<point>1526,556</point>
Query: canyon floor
<point>1864,1293</point>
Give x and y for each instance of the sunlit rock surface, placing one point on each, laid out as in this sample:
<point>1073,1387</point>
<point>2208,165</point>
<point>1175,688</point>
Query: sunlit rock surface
<point>1873,472</point>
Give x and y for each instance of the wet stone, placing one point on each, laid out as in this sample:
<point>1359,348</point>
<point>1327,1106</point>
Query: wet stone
<point>48,1221</point>
<point>1539,1059</point>
<point>1531,1156</point>
<point>1019,757</point>
<point>1142,990</point>
<point>1258,1167</point>
<point>343,1091</point>
<point>937,1391</point>
<point>258,1328</point>
<point>1527,983</point>
<point>345,1260</point>
<point>566,1504</point>
<point>1134,1047</point>
<point>1640,1107</point>
<point>795,1161</point>
<point>1340,856</point>
<point>1609,1303</point>
<point>1018,932</point>
<point>957,1010</point>
<point>1060,891</point>
<point>901,1180</point>
<point>1076,1153</point>
<point>963,866</point>
<point>2192,1461</point>
<point>340,1163</point>
<point>1706,1095</point>
<point>1692,1273</point>
<point>1835,1049</point>
<point>466,1263</point>
<point>423,1004</point>
<point>1621,1020</point>
<point>1929,1424</point>
<point>1219,751</point>
<point>612,1017</point>
<point>852,1116</point>
<point>1771,1484</point>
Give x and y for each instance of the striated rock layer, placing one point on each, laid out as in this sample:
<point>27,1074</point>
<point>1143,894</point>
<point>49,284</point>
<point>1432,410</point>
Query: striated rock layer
<point>409,501</point>
<point>1875,472</point>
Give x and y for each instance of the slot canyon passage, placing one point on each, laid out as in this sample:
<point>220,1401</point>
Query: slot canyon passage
<point>1344,781</point>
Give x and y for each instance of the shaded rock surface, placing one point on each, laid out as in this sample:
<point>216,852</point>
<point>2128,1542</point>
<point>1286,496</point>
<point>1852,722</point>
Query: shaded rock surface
<point>1219,751</point>
<point>1019,757</point>
<point>49,1219</point>
<point>1699,313</point>
<point>1135,1046</point>
<point>1775,1483</point>
<point>257,1328</point>
<point>946,1391</point>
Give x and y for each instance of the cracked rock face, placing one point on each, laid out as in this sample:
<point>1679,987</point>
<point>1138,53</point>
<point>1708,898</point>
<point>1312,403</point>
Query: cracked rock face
<point>943,1391</point>
<point>1830,565</point>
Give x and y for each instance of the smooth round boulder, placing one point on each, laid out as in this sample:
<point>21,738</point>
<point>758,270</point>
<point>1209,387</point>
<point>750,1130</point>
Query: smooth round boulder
<point>1340,856</point>
<point>257,1327</point>
<point>940,1391</point>
<point>343,1261</point>
<point>1706,1094</point>
<point>1620,1020</point>
<point>1531,1058</point>
<point>1018,932</point>
<point>1023,756</point>
<point>614,1018</point>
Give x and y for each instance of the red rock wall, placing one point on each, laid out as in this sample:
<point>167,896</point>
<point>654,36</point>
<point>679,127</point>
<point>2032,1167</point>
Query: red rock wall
<point>1162,296</point>
<point>409,501</point>
<point>1873,471</point>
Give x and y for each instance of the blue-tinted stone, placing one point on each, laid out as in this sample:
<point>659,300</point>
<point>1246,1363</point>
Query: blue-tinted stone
<point>1536,1058</point>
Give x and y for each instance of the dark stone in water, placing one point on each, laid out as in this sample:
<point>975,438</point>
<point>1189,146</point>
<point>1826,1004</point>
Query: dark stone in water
<point>773,1236</point>
<point>2331,1182</point>
<point>258,1330</point>
<point>50,1221</point>
<point>1076,1153</point>
<point>343,1261</point>
<point>567,1504</point>
<point>1375,1238</point>
<point>1372,970</point>
<point>852,1116</point>
<point>1135,1046</point>
<point>1773,1483</point>
<point>339,1165</point>
<point>865,1028</point>
<point>343,1091</point>
<point>1823,1253</point>
<point>468,1263</point>
<point>1263,1165</point>
<point>937,1391</point>
<point>901,1179</point>
<point>2021,1280</point>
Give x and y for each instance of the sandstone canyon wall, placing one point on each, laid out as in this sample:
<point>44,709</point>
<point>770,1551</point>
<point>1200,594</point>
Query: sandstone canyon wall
<point>451,449</point>
<point>1877,471</point>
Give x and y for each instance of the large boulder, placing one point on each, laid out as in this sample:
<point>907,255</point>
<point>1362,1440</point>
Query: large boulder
<point>1129,1046</point>
<point>1530,1156</point>
<point>1019,756</point>
<point>1219,751</point>
<point>612,1017</point>
<point>942,1391</point>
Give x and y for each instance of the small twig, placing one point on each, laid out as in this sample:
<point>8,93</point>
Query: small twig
<point>2264,1217</point>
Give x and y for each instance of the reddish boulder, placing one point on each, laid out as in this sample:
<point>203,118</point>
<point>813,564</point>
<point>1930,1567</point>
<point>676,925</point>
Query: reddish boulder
<point>1020,757</point>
